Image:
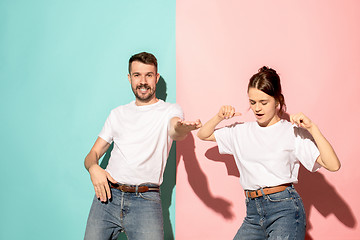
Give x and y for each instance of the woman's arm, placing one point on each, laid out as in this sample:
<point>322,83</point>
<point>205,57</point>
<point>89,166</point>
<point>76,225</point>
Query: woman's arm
<point>327,158</point>
<point>206,132</point>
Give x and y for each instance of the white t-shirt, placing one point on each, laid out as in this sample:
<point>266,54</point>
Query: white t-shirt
<point>268,156</point>
<point>141,141</point>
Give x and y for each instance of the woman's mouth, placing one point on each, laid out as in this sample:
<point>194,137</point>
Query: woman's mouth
<point>259,115</point>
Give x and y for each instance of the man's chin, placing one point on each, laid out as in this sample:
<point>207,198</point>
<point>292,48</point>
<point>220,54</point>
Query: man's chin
<point>144,99</point>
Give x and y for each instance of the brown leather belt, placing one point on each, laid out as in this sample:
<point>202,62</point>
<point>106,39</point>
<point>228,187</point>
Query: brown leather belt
<point>134,189</point>
<point>267,190</point>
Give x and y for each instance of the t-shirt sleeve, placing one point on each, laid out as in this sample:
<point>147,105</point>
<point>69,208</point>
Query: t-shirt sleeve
<point>106,132</point>
<point>306,150</point>
<point>224,140</point>
<point>176,111</point>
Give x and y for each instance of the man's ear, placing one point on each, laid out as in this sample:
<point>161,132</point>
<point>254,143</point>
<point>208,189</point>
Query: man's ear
<point>157,77</point>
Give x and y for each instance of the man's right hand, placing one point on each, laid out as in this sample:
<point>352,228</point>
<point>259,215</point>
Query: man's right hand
<point>100,179</point>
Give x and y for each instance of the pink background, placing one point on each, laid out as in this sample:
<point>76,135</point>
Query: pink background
<point>315,47</point>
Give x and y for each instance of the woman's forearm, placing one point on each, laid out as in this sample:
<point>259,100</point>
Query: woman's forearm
<point>206,132</point>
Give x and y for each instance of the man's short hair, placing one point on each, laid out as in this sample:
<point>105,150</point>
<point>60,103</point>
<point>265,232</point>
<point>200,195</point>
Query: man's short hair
<point>143,57</point>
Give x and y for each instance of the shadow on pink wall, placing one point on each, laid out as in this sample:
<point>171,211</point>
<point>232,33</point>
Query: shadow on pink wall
<point>318,193</point>
<point>198,180</point>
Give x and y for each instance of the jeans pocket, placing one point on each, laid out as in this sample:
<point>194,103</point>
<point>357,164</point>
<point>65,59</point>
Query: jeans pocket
<point>280,196</point>
<point>151,196</point>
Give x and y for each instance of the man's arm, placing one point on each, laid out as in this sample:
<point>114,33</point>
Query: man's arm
<point>99,177</point>
<point>179,128</point>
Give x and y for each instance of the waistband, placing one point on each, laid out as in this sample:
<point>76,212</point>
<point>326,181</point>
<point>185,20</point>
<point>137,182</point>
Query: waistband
<point>266,191</point>
<point>136,188</point>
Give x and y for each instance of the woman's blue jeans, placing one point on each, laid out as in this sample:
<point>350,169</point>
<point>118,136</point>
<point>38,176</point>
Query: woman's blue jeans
<point>139,215</point>
<point>275,216</point>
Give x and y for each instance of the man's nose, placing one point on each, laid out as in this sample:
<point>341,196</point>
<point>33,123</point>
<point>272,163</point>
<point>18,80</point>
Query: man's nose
<point>143,79</point>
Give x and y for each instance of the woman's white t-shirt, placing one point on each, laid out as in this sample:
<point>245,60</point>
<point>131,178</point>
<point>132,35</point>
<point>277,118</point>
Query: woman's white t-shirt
<point>268,156</point>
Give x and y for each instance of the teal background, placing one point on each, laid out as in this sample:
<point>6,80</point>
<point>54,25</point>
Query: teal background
<point>63,67</point>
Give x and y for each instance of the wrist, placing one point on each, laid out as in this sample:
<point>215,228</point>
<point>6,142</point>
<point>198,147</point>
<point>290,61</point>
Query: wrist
<point>92,166</point>
<point>218,118</point>
<point>313,128</point>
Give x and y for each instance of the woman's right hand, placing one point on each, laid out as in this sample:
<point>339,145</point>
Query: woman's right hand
<point>227,112</point>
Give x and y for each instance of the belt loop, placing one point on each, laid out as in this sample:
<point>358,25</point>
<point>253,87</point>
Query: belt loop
<point>247,195</point>
<point>137,189</point>
<point>262,191</point>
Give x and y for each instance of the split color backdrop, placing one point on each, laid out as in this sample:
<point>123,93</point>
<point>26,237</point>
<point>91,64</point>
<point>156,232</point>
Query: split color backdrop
<point>315,47</point>
<point>63,67</point>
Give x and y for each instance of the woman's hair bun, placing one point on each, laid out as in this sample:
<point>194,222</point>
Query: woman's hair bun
<point>266,69</point>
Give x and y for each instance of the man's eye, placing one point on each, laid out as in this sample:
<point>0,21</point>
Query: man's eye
<point>252,103</point>
<point>264,103</point>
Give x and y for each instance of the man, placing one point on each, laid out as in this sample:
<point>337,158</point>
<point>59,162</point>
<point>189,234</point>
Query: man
<point>127,192</point>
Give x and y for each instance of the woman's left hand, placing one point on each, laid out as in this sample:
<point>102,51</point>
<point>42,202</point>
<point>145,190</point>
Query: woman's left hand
<point>301,120</point>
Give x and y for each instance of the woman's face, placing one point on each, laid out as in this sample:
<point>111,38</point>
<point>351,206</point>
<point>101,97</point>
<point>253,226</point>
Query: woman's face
<point>264,107</point>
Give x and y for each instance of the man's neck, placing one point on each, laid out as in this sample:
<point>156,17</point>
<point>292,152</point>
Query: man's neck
<point>139,102</point>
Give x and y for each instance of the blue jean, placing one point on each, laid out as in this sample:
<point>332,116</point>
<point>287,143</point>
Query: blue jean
<point>139,215</point>
<point>275,216</point>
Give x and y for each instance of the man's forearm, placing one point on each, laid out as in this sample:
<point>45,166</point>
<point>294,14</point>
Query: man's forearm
<point>91,159</point>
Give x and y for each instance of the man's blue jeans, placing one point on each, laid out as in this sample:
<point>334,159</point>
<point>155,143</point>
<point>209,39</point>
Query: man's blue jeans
<point>274,216</point>
<point>139,215</point>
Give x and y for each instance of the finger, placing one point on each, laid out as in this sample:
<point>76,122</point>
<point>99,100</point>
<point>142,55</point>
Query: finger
<point>297,120</point>
<point>96,193</point>
<point>102,194</point>
<point>292,119</point>
<point>223,111</point>
<point>110,178</point>
<point>108,191</point>
<point>198,123</point>
<point>229,112</point>
<point>232,112</point>
<point>189,123</point>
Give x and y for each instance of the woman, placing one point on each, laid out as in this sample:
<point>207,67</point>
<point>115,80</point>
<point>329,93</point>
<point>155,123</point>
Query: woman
<point>268,154</point>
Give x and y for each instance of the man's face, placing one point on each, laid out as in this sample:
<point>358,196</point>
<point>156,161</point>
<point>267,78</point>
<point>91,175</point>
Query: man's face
<point>143,79</point>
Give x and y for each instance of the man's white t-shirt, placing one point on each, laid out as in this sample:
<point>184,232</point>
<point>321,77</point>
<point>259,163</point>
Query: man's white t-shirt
<point>268,156</point>
<point>141,141</point>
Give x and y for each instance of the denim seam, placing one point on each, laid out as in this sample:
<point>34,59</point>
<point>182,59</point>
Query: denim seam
<point>149,199</point>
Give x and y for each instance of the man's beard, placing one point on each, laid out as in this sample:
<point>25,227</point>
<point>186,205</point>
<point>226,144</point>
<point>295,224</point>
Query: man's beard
<point>148,96</point>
